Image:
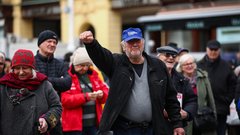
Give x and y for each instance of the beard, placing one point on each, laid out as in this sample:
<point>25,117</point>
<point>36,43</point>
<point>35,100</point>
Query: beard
<point>134,54</point>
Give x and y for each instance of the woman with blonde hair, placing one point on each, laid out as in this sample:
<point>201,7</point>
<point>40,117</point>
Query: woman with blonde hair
<point>200,85</point>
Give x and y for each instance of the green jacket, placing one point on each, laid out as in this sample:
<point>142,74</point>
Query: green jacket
<point>205,94</point>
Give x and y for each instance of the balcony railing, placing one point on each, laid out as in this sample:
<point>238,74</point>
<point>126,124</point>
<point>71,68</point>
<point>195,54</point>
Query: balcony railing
<point>133,3</point>
<point>139,3</point>
<point>35,2</point>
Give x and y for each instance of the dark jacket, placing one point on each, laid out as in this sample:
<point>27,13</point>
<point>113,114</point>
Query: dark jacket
<point>120,72</point>
<point>223,82</point>
<point>237,97</point>
<point>189,102</point>
<point>22,118</point>
<point>55,70</point>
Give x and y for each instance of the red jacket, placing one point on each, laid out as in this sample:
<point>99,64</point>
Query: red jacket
<point>73,99</point>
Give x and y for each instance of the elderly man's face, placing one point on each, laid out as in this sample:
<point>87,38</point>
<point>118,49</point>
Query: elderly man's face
<point>48,47</point>
<point>213,54</point>
<point>168,58</point>
<point>134,48</point>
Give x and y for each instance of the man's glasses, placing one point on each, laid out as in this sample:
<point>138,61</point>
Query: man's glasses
<point>1,63</point>
<point>170,55</point>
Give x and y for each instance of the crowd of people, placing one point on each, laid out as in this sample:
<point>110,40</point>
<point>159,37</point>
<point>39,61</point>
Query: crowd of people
<point>97,92</point>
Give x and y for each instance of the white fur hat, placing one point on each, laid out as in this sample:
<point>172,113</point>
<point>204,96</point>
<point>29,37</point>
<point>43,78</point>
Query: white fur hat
<point>80,56</point>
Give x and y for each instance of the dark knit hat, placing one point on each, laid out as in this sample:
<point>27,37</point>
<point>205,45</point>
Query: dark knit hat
<point>46,34</point>
<point>23,57</point>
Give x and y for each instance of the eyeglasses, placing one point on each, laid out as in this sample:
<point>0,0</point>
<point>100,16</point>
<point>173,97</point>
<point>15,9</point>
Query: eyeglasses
<point>188,64</point>
<point>1,63</point>
<point>83,65</point>
<point>170,55</point>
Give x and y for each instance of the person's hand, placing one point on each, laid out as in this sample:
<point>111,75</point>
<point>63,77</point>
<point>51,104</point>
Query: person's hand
<point>99,94</point>
<point>92,96</point>
<point>184,114</point>
<point>165,113</point>
<point>178,131</point>
<point>86,37</point>
<point>43,126</point>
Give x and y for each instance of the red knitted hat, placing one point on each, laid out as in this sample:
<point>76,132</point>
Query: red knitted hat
<point>23,57</point>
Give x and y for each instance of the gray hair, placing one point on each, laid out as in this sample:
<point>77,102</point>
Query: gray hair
<point>182,60</point>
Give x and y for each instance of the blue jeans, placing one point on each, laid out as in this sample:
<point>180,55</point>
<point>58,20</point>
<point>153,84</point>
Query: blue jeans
<point>86,131</point>
<point>122,127</point>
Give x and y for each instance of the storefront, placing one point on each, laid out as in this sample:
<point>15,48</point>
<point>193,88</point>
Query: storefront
<point>192,28</point>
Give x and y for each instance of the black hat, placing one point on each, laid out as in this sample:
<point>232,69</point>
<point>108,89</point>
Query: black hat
<point>173,45</point>
<point>167,49</point>
<point>213,44</point>
<point>180,50</point>
<point>46,34</point>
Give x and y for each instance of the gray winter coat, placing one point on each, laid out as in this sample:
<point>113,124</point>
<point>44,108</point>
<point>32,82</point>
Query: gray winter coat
<point>20,117</point>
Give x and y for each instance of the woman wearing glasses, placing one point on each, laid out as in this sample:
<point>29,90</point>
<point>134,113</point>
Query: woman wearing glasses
<point>200,85</point>
<point>185,95</point>
<point>82,104</point>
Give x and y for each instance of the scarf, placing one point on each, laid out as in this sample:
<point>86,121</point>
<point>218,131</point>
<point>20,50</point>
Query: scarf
<point>12,80</point>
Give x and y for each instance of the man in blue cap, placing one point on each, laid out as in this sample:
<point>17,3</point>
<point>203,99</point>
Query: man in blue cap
<point>140,88</point>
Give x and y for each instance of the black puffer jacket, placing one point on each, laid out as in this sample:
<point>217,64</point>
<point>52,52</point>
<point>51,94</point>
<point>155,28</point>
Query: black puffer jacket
<point>119,70</point>
<point>223,82</point>
<point>55,70</point>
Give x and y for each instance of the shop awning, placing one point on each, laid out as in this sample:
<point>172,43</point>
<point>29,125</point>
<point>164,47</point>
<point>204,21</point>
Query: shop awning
<point>195,18</point>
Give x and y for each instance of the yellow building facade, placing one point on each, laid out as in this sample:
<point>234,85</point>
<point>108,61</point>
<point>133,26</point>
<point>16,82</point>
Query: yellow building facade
<point>97,14</point>
<point>189,23</point>
<point>87,13</point>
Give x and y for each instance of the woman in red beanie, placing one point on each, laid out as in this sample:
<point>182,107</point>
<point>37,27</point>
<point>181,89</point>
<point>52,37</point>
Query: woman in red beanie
<point>28,103</point>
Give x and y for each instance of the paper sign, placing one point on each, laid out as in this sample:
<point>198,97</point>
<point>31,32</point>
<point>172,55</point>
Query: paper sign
<point>180,98</point>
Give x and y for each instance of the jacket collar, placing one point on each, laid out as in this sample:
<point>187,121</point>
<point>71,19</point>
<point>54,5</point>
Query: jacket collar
<point>145,55</point>
<point>43,58</point>
<point>207,60</point>
<point>201,73</point>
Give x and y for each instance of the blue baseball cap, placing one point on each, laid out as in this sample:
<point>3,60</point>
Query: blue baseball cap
<point>131,33</point>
